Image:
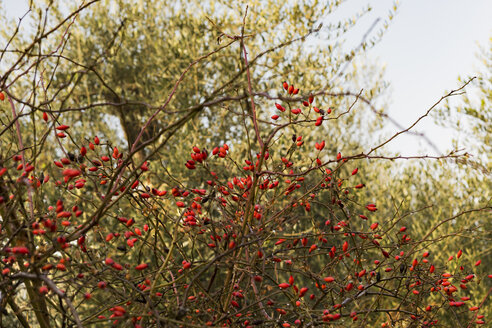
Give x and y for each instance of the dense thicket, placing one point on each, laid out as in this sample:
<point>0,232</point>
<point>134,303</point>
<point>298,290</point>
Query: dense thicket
<point>289,210</point>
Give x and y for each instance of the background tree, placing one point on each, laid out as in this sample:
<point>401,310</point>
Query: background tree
<point>124,56</point>
<point>444,188</point>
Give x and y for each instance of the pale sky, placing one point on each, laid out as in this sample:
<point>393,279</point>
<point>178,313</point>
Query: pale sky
<point>428,45</point>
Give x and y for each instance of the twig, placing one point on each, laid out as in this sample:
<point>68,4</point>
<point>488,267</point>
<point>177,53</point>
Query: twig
<point>250,91</point>
<point>54,288</point>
